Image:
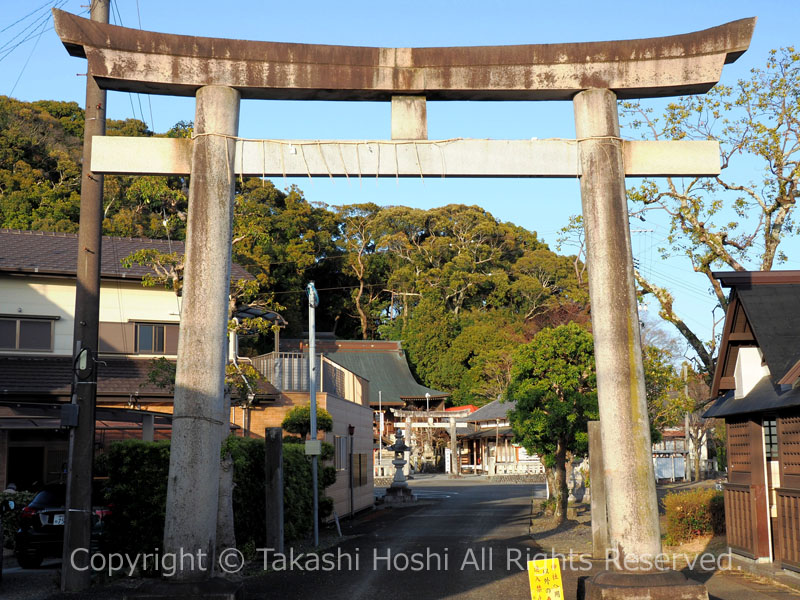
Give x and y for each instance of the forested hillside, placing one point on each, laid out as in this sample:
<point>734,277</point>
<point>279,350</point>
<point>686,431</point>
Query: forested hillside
<point>460,288</point>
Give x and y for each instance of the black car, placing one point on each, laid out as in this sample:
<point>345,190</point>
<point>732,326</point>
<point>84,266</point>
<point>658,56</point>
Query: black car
<point>41,531</point>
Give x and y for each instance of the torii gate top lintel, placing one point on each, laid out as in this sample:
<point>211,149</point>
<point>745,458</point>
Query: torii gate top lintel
<point>132,60</point>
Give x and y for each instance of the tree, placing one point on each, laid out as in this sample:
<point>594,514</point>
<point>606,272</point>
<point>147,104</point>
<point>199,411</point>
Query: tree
<point>360,232</point>
<point>284,241</point>
<point>553,382</point>
<point>661,384</point>
<point>696,397</point>
<point>298,420</point>
<point>728,221</point>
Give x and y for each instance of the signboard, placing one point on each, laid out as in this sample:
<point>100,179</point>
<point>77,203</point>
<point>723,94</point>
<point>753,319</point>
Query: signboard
<point>545,579</point>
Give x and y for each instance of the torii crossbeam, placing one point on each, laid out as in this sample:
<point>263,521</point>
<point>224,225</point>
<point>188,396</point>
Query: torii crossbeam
<point>219,72</point>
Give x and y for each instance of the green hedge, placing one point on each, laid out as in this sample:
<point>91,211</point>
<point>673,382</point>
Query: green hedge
<point>249,491</point>
<point>137,490</point>
<point>694,513</point>
<point>298,495</point>
<point>11,518</point>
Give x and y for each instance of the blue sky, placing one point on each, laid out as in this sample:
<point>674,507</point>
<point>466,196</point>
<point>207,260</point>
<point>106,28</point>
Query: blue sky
<point>41,69</point>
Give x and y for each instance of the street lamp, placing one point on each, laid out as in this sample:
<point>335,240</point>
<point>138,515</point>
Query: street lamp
<point>427,401</point>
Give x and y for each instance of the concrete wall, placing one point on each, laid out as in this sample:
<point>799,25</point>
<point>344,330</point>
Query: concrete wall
<point>346,413</point>
<point>121,301</point>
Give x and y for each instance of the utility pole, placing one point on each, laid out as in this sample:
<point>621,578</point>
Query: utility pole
<point>75,575</point>
<point>313,302</point>
<point>687,468</point>
<point>380,426</point>
<point>455,457</point>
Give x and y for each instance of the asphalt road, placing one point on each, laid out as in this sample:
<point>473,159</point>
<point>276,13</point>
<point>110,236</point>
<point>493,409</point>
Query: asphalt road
<point>24,584</point>
<point>463,540</point>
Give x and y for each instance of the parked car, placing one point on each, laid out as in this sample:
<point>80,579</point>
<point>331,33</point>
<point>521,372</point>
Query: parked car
<point>41,531</point>
<point>5,506</point>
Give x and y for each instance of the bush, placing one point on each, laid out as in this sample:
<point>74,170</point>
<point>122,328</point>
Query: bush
<point>11,518</point>
<point>137,492</point>
<point>249,490</point>
<point>694,513</point>
<point>298,496</point>
<point>298,420</point>
<point>137,488</point>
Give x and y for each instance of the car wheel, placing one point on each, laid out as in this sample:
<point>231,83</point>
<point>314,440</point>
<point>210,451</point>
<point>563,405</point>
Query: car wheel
<point>29,561</point>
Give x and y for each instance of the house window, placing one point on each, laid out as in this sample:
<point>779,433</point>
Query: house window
<point>340,455</point>
<point>26,334</point>
<point>149,338</point>
<point>771,439</point>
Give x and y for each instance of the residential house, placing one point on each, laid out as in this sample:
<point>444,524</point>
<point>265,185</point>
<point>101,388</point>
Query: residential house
<point>37,303</point>
<point>756,390</point>
<point>137,325</point>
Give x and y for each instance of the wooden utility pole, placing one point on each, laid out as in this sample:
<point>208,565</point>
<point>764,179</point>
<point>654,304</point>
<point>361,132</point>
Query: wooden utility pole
<point>75,576</point>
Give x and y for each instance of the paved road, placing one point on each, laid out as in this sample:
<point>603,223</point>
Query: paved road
<point>465,539</point>
<point>22,584</point>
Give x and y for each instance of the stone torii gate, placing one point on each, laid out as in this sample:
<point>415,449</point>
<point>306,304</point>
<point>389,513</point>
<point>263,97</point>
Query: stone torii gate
<point>220,72</point>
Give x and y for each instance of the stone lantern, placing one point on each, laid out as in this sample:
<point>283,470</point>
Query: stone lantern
<point>399,492</point>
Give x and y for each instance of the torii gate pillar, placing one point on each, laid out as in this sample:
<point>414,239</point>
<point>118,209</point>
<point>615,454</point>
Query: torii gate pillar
<point>199,412</point>
<point>635,539</point>
<point>633,512</point>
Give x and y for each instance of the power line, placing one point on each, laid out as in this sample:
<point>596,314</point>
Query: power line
<point>7,27</point>
<point>42,20</point>
<point>342,287</point>
<point>41,23</point>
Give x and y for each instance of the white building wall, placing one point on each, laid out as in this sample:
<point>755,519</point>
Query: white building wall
<point>119,302</point>
<point>122,302</point>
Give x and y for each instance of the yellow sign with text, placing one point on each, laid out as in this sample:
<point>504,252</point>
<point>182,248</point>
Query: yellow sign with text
<point>545,578</point>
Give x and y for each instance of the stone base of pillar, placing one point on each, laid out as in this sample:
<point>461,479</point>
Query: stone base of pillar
<point>211,589</point>
<point>661,585</point>
<point>395,495</point>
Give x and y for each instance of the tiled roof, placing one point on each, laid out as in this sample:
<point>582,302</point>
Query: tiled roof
<point>383,363</point>
<point>49,253</point>
<point>772,313</point>
<point>490,412</point>
<point>52,376</point>
<point>764,397</point>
